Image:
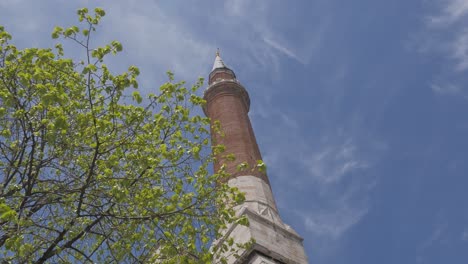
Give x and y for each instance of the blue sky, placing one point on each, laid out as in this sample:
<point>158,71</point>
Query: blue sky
<point>360,108</point>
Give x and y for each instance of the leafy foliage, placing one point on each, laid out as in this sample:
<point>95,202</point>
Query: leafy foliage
<point>90,172</point>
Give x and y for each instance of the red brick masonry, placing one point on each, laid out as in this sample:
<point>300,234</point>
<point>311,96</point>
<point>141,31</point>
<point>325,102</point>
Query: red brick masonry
<point>229,103</point>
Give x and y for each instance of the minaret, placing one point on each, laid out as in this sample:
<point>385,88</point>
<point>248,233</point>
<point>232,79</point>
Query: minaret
<point>228,103</point>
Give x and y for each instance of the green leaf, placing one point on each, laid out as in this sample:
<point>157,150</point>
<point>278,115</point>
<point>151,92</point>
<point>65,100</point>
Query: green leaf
<point>100,12</point>
<point>137,97</point>
<point>261,166</point>
<point>242,166</point>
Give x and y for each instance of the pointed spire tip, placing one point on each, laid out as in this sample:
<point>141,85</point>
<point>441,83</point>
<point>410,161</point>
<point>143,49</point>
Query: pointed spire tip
<point>218,63</point>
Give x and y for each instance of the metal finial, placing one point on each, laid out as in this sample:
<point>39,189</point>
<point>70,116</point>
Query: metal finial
<point>217,52</point>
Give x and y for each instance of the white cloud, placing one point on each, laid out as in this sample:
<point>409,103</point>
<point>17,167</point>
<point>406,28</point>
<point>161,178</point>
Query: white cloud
<point>237,8</point>
<point>333,162</point>
<point>460,50</point>
<point>158,39</point>
<point>452,18</point>
<point>259,35</point>
<point>152,39</point>
<point>445,37</point>
<point>336,170</point>
<point>435,237</point>
<point>282,49</point>
<point>27,18</point>
<point>333,223</point>
<point>448,89</point>
<point>464,235</point>
<point>452,11</point>
<point>333,168</point>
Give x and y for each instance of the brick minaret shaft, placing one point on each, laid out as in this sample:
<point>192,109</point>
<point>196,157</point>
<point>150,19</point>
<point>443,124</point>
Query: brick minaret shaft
<point>228,102</point>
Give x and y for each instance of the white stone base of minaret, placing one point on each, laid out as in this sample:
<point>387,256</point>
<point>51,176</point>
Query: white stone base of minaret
<point>259,259</point>
<point>275,242</point>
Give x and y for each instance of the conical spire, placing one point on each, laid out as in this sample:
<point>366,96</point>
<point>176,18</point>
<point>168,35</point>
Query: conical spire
<point>218,63</point>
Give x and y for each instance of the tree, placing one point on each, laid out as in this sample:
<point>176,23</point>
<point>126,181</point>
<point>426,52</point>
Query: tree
<point>91,172</point>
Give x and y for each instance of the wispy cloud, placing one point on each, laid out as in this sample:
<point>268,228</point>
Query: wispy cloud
<point>239,8</point>
<point>452,18</point>
<point>445,34</point>
<point>333,223</point>
<point>435,237</point>
<point>452,11</point>
<point>446,89</point>
<point>152,38</point>
<point>333,167</point>
<point>337,169</point>
<point>159,39</point>
<point>331,163</point>
<point>464,235</point>
<point>258,33</point>
<point>282,49</point>
<point>460,50</point>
